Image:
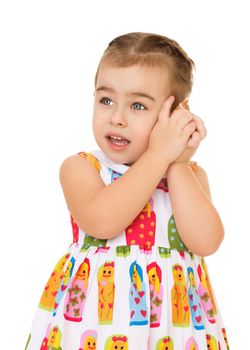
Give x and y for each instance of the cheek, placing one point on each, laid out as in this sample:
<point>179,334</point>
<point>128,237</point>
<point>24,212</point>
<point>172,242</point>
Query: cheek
<point>100,114</point>
<point>142,136</point>
<point>98,118</point>
<point>96,127</point>
<point>144,128</point>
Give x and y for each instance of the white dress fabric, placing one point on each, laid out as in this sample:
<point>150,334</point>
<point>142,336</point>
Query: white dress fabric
<point>142,289</point>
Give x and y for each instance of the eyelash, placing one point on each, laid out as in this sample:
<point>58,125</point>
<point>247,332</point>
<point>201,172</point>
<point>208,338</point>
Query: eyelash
<point>106,98</point>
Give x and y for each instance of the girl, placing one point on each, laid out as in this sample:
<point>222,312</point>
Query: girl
<point>141,213</point>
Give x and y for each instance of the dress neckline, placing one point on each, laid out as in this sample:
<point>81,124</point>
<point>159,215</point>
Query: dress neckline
<point>118,167</point>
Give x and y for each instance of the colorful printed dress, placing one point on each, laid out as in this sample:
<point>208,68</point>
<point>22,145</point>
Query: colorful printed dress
<point>142,289</point>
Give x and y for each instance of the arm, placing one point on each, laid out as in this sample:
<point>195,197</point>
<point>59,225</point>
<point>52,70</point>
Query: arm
<point>104,211</point>
<point>197,220</point>
<point>119,203</point>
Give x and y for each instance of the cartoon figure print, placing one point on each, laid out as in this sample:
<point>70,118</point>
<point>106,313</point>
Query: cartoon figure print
<point>106,292</point>
<point>44,345</point>
<point>76,293</point>
<point>203,264</point>
<point>204,295</point>
<point>64,283</point>
<point>225,337</point>
<point>194,301</point>
<point>179,298</point>
<point>52,339</point>
<point>156,293</point>
<point>116,341</point>
<point>48,298</point>
<point>88,340</point>
<point>137,296</point>
<point>212,343</point>
<point>75,229</point>
<point>165,343</point>
<point>191,344</point>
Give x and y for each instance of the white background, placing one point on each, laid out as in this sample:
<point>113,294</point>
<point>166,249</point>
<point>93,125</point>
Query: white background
<point>49,55</point>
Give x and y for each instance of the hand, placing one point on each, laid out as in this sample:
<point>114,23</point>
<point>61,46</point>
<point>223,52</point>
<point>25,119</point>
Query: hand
<point>194,141</point>
<point>170,134</point>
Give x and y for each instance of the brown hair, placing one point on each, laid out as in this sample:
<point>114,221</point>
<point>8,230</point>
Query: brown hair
<point>153,49</point>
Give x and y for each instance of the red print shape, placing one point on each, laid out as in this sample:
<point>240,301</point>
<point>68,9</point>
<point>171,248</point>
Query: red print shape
<point>198,319</point>
<point>194,308</point>
<point>141,294</point>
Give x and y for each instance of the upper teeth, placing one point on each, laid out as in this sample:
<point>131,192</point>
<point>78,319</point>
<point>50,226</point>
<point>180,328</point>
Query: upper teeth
<point>116,137</point>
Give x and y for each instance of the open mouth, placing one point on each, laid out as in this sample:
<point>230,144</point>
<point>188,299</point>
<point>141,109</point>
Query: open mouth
<point>117,144</point>
<point>118,141</point>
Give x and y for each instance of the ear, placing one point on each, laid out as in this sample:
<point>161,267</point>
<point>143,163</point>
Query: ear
<point>185,104</point>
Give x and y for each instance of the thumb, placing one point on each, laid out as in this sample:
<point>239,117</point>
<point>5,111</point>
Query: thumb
<point>166,107</point>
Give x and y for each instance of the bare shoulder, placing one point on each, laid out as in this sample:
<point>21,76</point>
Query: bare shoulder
<point>81,182</point>
<point>81,159</point>
<point>81,169</point>
<point>201,176</point>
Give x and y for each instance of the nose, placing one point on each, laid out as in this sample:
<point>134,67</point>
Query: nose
<point>118,116</point>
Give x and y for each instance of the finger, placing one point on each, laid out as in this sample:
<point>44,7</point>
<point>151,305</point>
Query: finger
<point>200,126</point>
<point>166,107</point>
<point>194,140</point>
<point>193,143</point>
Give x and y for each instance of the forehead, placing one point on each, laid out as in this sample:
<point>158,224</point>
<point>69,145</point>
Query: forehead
<point>124,80</point>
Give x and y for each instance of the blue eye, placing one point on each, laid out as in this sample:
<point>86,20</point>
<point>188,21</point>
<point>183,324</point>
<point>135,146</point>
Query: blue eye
<point>139,104</point>
<point>105,99</point>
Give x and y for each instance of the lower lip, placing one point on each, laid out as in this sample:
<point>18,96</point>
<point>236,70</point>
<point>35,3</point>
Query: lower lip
<point>117,147</point>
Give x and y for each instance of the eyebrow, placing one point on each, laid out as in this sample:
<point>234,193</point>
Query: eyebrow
<point>141,94</point>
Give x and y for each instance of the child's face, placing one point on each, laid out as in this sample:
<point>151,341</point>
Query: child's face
<point>120,108</point>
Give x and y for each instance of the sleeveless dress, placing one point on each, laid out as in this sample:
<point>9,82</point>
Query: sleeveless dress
<point>142,289</point>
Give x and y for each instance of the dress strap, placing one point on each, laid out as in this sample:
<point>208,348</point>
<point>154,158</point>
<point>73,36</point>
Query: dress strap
<point>193,165</point>
<point>94,161</point>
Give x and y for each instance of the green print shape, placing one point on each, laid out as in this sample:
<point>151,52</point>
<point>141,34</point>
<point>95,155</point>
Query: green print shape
<point>173,236</point>
<point>157,301</point>
<point>27,342</point>
<point>92,241</point>
<point>123,250</point>
<point>76,312</point>
<point>164,252</point>
<point>76,289</point>
<point>205,297</point>
<point>211,312</point>
<point>82,296</point>
<point>73,301</point>
<point>153,318</point>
